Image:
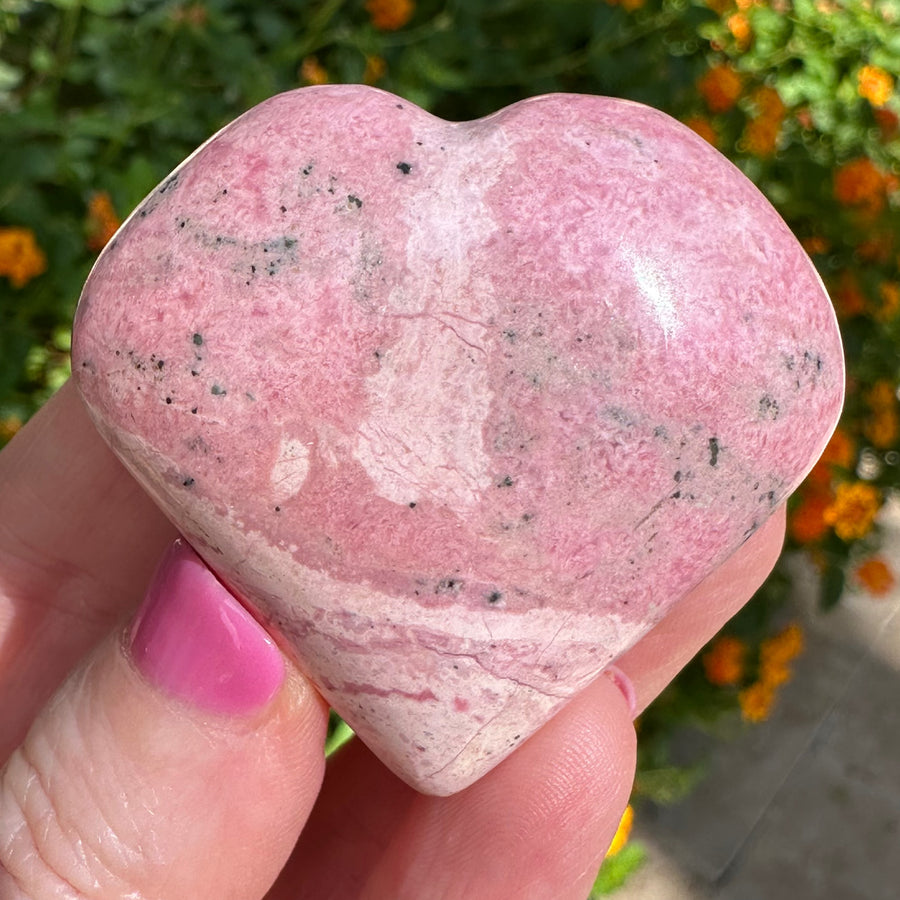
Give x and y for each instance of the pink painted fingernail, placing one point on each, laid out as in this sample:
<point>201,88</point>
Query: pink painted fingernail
<point>625,686</point>
<point>193,640</point>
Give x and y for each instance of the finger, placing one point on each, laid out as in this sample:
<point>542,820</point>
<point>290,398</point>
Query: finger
<point>78,539</point>
<point>661,654</point>
<point>181,760</point>
<point>537,826</point>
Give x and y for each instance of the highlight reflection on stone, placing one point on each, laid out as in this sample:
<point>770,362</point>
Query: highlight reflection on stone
<point>460,408</point>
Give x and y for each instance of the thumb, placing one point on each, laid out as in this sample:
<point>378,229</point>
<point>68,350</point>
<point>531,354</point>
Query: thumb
<point>180,761</point>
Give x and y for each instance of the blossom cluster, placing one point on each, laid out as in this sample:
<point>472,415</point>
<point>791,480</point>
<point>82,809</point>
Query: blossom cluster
<point>727,664</point>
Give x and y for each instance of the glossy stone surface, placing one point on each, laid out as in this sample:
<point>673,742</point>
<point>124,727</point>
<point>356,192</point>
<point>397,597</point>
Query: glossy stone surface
<point>460,408</point>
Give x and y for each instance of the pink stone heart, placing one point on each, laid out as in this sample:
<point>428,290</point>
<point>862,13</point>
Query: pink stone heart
<point>462,409</point>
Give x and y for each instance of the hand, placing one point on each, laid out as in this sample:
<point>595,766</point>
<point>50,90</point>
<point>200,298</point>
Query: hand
<point>131,771</point>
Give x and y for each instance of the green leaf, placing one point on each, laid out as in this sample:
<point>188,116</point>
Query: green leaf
<point>105,7</point>
<point>617,869</point>
<point>669,784</point>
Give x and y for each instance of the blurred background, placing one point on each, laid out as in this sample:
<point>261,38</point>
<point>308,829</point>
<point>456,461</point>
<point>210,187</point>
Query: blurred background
<point>100,99</point>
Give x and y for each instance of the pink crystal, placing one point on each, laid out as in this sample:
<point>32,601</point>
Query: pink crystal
<point>460,408</point>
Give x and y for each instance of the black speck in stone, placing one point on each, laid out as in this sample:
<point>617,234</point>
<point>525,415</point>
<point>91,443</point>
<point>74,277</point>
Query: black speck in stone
<point>494,597</point>
<point>713,451</point>
<point>194,410</point>
<point>169,401</point>
<point>768,407</point>
<point>677,475</point>
<point>188,482</point>
<point>505,482</point>
<point>218,391</point>
<point>283,209</point>
<point>197,339</point>
<point>354,201</point>
<point>194,372</point>
<point>404,167</point>
<point>412,504</point>
<point>160,363</point>
<point>277,509</point>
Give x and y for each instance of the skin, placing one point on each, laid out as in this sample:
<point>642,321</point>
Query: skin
<point>110,788</point>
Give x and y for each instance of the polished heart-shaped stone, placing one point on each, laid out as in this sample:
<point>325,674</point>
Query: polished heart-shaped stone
<point>460,409</point>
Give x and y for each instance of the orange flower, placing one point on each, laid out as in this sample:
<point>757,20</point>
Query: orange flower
<point>849,299</point>
<point>389,15</point>
<point>21,259</point>
<point>876,247</point>
<point>807,522</point>
<point>761,136</point>
<point>768,103</point>
<point>853,510</point>
<point>102,221</point>
<point>720,87</point>
<point>375,69</point>
<point>815,245</point>
<point>876,577</point>
<point>888,122</point>
<point>756,702</point>
<point>840,450</point>
<point>882,395</point>
<point>623,832</point>
<point>859,183</point>
<point>874,85</point>
<point>704,128</point>
<point>777,653</point>
<point>723,663</point>
<point>312,71</point>
<point>805,117</point>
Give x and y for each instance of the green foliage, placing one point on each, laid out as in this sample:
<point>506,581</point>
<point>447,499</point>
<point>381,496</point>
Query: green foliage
<point>617,869</point>
<point>100,99</point>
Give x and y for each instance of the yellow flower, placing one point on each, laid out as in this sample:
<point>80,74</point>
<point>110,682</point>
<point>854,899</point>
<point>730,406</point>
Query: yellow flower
<point>739,26</point>
<point>876,577</point>
<point>779,651</point>
<point>102,221</point>
<point>723,664</point>
<point>882,395</point>
<point>853,510</point>
<point>21,259</point>
<point>874,85</point>
<point>389,15</point>
<point>882,428</point>
<point>375,69</point>
<point>889,292</point>
<point>8,428</point>
<point>623,832</point>
<point>312,71</point>
<point>756,702</point>
<point>720,87</point>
